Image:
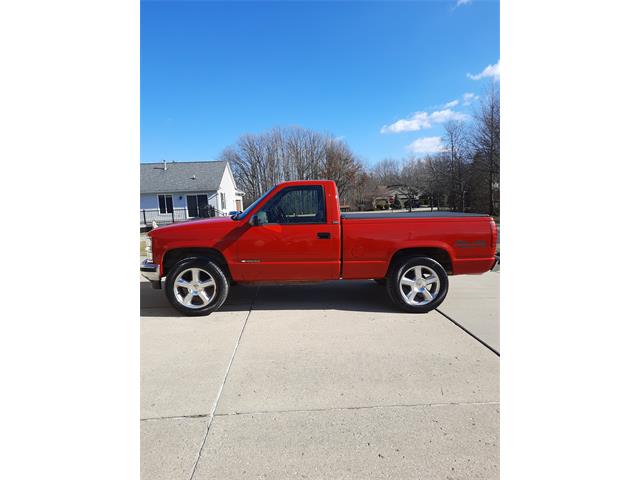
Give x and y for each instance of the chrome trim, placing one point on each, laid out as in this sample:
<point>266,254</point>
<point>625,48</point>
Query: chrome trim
<point>150,270</point>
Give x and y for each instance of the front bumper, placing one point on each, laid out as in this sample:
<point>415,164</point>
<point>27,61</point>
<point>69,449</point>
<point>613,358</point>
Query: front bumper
<point>151,272</point>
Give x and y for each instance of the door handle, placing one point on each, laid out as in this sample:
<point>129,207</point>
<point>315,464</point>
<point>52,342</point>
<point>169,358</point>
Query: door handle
<point>324,235</point>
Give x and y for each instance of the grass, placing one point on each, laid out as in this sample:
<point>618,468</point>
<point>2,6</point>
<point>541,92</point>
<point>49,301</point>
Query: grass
<point>143,244</point>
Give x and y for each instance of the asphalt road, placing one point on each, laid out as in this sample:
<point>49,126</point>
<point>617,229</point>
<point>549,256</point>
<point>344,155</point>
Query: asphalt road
<point>322,381</point>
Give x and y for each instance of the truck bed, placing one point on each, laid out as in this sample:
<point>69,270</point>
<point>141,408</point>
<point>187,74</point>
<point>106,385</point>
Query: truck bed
<point>383,215</point>
<point>462,242</point>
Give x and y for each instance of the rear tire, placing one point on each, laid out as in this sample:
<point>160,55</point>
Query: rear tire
<point>196,286</point>
<point>417,284</point>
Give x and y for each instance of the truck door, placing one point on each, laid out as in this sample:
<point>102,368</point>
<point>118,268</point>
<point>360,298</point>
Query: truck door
<point>294,240</point>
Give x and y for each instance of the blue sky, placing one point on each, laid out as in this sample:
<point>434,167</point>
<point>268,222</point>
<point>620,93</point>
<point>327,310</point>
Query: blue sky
<point>378,74</point>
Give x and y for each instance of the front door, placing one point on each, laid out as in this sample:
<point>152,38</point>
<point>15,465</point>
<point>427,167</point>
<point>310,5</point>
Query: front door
<point>196,204</point>
<point>295,242</point>
<point>192,205</point>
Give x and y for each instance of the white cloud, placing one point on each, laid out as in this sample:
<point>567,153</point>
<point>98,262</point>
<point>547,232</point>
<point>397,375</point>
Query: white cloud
<point>417,121</point>
<point>443,116</point>
<point>462,2</point>
<point>467,98</point>
<point>422,120</point>
<point>491,71</point>
<point>426,145</point>
<point>451,104</point>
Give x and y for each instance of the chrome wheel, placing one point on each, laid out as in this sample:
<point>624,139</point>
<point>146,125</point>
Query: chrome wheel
<point>194,288</point>
<point>419,285</point>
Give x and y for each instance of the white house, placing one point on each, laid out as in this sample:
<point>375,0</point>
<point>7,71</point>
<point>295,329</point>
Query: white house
<point>174,191</point>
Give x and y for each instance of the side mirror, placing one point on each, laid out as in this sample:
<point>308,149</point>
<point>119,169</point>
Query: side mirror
<point>255,221</point>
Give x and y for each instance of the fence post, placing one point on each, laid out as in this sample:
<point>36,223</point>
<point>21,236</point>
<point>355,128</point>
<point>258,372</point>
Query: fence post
<point>144,216</point>
<point>173,220</point>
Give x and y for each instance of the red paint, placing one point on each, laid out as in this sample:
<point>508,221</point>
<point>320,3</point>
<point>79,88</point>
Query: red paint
<point>276,252</point>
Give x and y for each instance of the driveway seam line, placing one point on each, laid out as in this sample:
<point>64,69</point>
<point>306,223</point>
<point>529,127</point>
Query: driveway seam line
<point>175,417</point>
<point>331,409</point>
<point>224,381</point>
<point>468,332</point>
<point>168,307</point>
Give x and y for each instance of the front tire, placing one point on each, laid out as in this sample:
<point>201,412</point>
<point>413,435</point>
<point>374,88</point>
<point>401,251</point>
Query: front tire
<point>417,284</point>
<point>196,286</point>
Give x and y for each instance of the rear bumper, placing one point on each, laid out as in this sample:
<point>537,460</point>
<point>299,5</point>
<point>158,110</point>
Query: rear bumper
<point>151,272</point>
<point>496,264</point>
<point>473,266</point>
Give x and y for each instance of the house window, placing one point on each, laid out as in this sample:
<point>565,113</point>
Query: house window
<point>223,203</point>
<point>166,203</point>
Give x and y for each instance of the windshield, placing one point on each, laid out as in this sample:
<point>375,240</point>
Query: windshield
<point>248,210</point>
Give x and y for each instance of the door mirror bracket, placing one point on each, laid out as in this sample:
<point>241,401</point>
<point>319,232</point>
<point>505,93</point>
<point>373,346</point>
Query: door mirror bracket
<point>256,221</point>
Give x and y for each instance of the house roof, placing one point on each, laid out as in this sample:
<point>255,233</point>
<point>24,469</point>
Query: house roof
<point>181,176</point>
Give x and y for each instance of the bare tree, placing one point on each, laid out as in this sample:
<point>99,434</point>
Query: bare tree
<point>412,181</point>
<point>486,144</point>
<point>456,142</point>
<point>260,161</point>
<point>386,172</point>
<point>341,166</point>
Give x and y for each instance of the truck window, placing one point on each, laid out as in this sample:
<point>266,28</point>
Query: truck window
<point>250,208</point>
<point>297,205</point>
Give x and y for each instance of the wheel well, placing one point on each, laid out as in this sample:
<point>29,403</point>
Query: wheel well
<point>174,256</point>
<point>440,255</point>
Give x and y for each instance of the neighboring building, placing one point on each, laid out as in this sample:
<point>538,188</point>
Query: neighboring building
<point>385,197</point>
<point>173,191</point>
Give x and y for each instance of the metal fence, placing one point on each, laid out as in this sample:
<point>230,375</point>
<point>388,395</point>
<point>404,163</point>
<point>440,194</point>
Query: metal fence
<point>150,215</point>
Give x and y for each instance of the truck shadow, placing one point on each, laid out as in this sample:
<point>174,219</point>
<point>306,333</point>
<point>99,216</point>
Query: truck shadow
<point>354,295</point>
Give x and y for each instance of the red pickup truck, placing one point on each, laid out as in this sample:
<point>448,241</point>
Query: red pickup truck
<point>295,232</point>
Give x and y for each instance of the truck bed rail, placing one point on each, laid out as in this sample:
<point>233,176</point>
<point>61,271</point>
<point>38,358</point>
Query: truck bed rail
<point>383,215</point>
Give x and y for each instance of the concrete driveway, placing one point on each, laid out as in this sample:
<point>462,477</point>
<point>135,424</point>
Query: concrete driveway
<point>322,381</point>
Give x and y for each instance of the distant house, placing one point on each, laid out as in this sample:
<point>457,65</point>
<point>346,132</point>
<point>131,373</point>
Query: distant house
<point>384,197</point>
<point>173,191</point>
